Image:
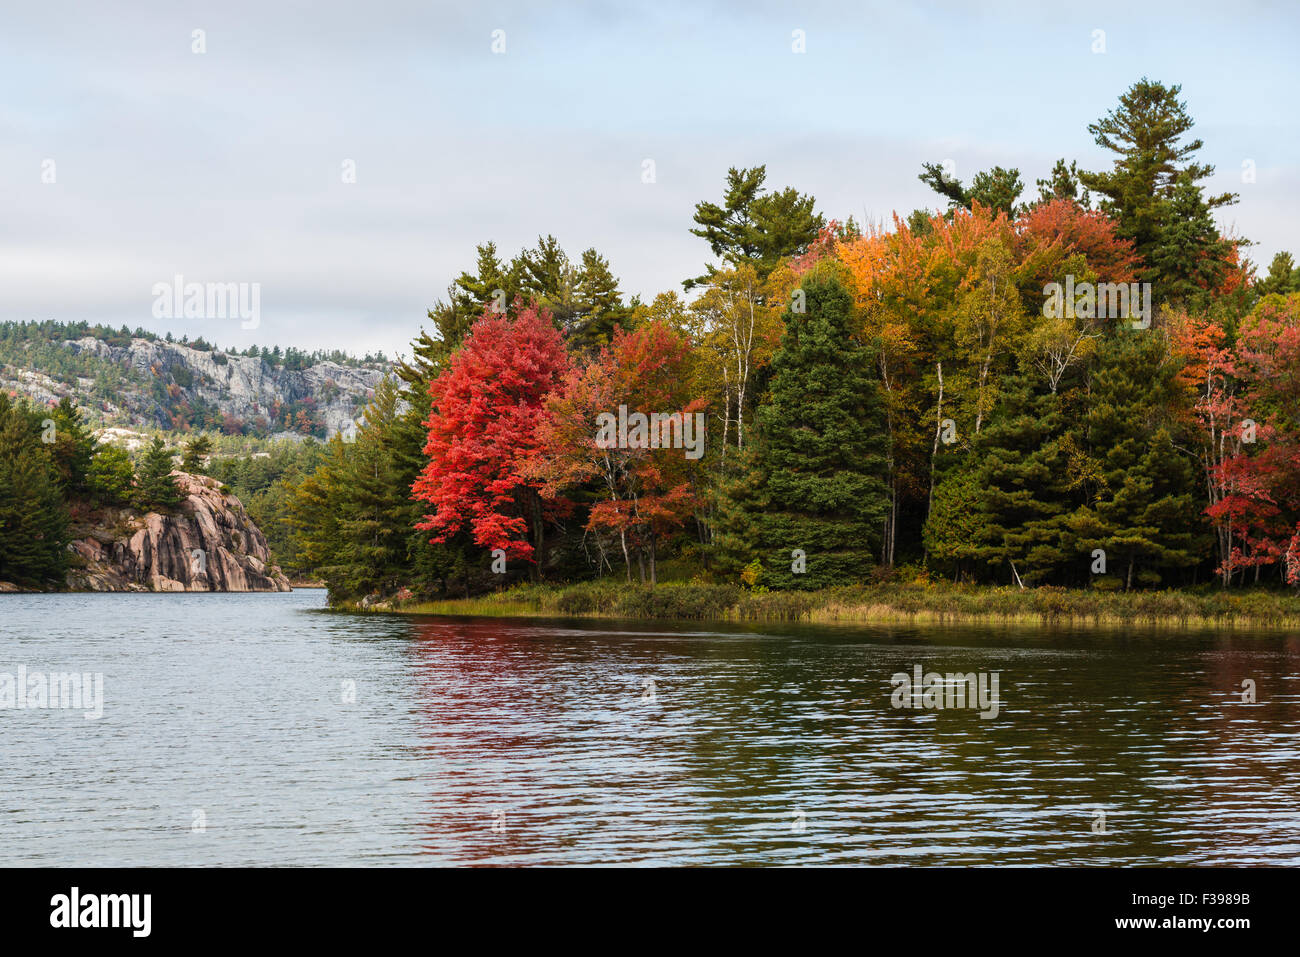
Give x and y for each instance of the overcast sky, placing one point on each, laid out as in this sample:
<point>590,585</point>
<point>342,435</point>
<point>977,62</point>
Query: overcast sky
<point>227,165</point>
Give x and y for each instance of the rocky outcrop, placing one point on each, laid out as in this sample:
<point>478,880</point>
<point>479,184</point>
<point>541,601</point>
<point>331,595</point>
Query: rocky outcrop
<point>245,387</point>
<point>209,544</point>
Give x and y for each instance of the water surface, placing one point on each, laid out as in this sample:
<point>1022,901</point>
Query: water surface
<point>254,729</point>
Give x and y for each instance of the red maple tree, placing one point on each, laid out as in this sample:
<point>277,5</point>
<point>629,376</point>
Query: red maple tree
<point>486,408</point>
<point>645,493</point>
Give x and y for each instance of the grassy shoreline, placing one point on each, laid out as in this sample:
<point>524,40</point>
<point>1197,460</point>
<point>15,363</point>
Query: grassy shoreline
<point>917,603</point>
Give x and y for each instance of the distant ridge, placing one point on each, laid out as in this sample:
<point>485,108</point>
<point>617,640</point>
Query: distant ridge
<point>125,380</point>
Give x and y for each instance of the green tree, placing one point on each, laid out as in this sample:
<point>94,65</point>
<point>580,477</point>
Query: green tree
<point>1143,512</point>
<point>954,519</point>
<point>998,188</point>
<point>817,497</point>
<point>155,489</point>
<point>1063,183</point>
<point>599,306</point>
<point>354,517</point>
<point>1283,277</point>
<point>72,447</point>
<point>197,449</point>
<point>1189,258</point>
<point>373,525</point>
<point>1145,133</point>
<point>1023,465</point>
<point>33,519</point>
<point>111,476</point>
<point>755,227</point>
<point>491,283</point>
<point>550,280</point>
<point>314,514</point>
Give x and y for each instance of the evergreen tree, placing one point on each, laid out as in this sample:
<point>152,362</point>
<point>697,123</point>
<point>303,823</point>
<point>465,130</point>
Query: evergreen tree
<point>111,476</point>
<point>1024,468</point>
<point>33,520</point>
<point>72,447</point>
<point>599,306</point>
<point>354,516</point>
<point>314,513</point>
<point>1283,277</point>
<point>550,280</point>
<point>1063,183</point>
<point>1143,512</point>
<point>755,227</point>
<point>1145,132</point>
<point>155,489</point>
<point>491,283</point>
<point>1189,258</point>
<point>197,449</point>
<point>997,189</point>
<point>954,521</point>
<point>376,515</point>
<point>819,452</point>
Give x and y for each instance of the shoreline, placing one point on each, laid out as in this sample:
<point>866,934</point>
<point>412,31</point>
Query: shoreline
<point>890,604</point>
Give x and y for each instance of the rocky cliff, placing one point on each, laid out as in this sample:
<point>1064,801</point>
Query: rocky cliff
<point>242,386</point>
<point>209,544</point>
<point>152,383</point>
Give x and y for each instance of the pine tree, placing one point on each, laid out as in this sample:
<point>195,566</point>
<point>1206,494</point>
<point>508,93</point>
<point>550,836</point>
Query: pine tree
<point>1283,277</point>
<point>819,452</point>
<point>1063,183</point>
<point>755,227</point>
<point>315,509</point>
<point>373,517</point>
<point>954,520</point>
<point>1144,512</point>
<point>1024,468</point>
<point>549,280</point>
<point>492,282</point>
<point>72,449</point>
<point>155,489</point>
<point>33,520</point>
<point>111,476</point>
<point>997,189</point>
<point>1145,132</point>
<point>599,306</point>
<point>197,449</point>
<point>1189,258</point>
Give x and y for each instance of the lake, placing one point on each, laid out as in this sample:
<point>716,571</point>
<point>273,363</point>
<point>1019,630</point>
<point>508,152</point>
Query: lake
<point>257,729</point>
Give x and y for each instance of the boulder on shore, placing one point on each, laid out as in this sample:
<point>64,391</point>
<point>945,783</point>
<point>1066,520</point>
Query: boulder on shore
<point>208,544</point>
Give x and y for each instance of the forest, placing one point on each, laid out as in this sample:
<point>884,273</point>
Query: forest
<point>1084,384</point>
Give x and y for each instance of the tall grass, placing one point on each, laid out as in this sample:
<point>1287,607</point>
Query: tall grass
<point>884,603</point>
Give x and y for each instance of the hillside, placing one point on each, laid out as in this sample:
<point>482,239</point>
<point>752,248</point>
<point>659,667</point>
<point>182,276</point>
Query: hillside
<point>140,380</point>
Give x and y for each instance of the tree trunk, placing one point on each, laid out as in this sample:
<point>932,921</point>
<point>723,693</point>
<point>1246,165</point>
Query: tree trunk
<point>938,430</point>
<point>539,537</point>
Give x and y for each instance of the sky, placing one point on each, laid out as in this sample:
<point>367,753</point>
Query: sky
<point>127,158</point>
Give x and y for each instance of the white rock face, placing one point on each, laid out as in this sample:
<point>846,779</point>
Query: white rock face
<point>126,438</point>
<point>243,386</point>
